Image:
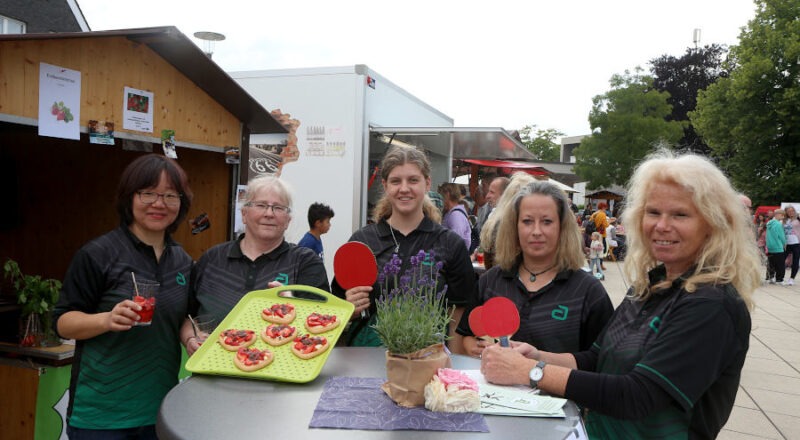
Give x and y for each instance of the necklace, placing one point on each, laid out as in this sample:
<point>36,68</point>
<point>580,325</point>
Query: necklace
<point>534,275</point>
<point>396,244</point>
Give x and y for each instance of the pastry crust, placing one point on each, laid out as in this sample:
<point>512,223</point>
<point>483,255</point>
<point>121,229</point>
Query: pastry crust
<point>233,339</point>
<point>301,344</point>
<point>280,330</point>
<point>326,319</point>
<point>279,313</point>
<point>257,359</point>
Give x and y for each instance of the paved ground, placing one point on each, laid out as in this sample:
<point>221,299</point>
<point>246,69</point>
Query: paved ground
<point>768,402</point>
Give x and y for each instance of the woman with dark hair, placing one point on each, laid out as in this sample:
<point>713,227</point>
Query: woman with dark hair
<point>406,221</point>
<point>121,371</point>
<point>539,256</point>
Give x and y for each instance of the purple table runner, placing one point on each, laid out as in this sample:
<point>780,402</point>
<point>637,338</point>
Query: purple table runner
<point>359,403</point>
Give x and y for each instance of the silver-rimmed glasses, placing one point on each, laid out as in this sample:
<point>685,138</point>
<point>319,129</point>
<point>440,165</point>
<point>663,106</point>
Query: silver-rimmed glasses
<point>150,197</point>
<point>263,207</point>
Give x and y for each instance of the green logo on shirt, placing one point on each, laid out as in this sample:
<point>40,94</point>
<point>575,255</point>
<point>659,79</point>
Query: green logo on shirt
<point>655,323</point>
<point>560,313</point>
<point>180,279</point>
<point>282,278</point>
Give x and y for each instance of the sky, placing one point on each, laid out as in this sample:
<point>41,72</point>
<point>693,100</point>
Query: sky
<point>498,63</point>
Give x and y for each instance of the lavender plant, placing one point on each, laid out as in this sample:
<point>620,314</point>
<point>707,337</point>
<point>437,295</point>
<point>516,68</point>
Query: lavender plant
<point>411,314</point>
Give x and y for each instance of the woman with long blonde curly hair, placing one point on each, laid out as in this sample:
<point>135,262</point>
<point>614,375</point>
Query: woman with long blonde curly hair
<point>668,363</point>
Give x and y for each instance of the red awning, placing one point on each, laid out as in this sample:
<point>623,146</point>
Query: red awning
<point>508,167</point>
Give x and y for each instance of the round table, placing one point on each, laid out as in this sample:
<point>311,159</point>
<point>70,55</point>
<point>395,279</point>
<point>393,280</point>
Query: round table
<point>216,407</point>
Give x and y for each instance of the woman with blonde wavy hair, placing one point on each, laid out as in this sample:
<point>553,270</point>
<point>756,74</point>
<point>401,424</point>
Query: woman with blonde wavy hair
<point>539,252</point>
<point>668,364</point>
<point>406,222</point>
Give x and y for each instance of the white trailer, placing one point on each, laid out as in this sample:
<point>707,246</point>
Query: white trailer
<point>344,119</point>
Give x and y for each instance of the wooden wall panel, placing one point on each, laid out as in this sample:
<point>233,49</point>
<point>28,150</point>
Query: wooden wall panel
<point>66,195</point>
<point>107,65</point>
<point>18,407</point>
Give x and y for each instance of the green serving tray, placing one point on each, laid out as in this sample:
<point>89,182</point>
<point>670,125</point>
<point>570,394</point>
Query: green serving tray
<point>211,358</point>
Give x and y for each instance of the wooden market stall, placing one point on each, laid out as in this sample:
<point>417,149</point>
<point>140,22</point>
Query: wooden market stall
<point>59,193</point>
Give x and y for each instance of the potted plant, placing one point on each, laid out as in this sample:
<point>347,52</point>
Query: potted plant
<point>38,298</point>
<point>411,321</point>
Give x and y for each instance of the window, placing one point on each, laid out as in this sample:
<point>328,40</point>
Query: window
<point>11,26</point>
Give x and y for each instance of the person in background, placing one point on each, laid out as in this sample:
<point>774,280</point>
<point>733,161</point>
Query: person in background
<point>496,190</point>
<point>600,219</point>
<point>468,202</point>
<point>485,206</point>
<point>261,258</point>
<point>437,201</point>
<point>791,228</point>
<point>539,260</point>
<point>455,214</point>
<point>319,222</point>
<point>121,373</point>
<point>669,362</point>
<point>776,247</point>
<point>596,255</point>
<point>406,222</point>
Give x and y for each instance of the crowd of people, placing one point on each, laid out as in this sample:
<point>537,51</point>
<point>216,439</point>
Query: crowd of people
<point>665,362</point>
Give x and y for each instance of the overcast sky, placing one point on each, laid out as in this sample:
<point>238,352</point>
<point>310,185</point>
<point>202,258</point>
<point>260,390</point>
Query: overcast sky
<point>484,63</point>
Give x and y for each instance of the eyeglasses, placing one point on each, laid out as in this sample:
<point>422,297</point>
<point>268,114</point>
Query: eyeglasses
<point>263,207</point>
<point>150,197</point>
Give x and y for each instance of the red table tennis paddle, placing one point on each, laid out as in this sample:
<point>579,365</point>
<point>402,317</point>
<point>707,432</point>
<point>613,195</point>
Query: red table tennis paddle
<point>354,265</point>
<point>476,322</point>
<point>500,318</point>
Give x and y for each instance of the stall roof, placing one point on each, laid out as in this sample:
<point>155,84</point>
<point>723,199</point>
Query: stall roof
<point>177,49</point>
<point>466,142</point>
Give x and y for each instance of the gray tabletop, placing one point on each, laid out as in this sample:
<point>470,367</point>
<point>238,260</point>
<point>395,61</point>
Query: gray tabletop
<point>217,407</point>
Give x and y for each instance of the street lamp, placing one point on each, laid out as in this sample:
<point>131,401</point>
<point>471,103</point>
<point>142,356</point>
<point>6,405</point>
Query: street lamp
<point>209,39</point>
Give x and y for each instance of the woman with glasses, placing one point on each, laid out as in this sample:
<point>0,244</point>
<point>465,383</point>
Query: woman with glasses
<point>259,259</point>
<point>121,371</point>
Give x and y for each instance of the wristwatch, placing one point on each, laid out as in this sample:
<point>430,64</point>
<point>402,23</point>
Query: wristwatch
<point>536,374</point>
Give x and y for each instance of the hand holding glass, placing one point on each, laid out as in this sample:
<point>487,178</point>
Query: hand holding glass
<point>145,296</point>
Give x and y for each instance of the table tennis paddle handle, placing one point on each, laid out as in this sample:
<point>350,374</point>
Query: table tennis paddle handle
<point>504,341</point>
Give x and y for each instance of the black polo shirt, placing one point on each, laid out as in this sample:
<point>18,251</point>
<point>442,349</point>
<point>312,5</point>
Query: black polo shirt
<point>564,316</point>
<point>691,345</point>
<point>447,247</point>
<point>119,379</point>
<point>223,275</point>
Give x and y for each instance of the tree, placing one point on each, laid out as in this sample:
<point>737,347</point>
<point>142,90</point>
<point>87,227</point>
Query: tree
<point>627,123</point>
<point>751,119</point>
<point>541,142</point>
<point>683,77</point>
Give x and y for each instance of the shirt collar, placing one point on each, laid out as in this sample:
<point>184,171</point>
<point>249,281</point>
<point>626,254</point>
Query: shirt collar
<point>235,252</point>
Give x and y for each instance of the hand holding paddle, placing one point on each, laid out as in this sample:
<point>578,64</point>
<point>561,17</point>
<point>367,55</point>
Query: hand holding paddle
<point>354,265</point>
<point>499,317</point>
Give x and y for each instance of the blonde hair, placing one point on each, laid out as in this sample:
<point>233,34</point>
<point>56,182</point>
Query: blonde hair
<point>397,156</point>
<point>489,230</point>
<point>729,256</point>
<point>596,235</point>
<point>569,252</point>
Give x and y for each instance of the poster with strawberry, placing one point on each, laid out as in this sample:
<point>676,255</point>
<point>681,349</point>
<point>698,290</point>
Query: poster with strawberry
<point>137,110</point>
<point>59,101</point>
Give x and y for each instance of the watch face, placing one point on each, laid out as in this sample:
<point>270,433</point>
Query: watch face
<point>536,374</point>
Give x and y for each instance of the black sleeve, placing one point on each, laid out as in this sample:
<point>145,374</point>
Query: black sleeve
<point>586,360</point>
<point>631,396</point>
<point>194,306</point>
<point>84,284</point>
<point>600,309</point>
<point>462,287</point>
<point>311,270</point>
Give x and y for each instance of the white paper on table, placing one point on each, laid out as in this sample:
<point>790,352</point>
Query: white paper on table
<point>516,400</point>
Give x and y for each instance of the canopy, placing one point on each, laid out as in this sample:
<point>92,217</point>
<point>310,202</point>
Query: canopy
<point>461,142</point>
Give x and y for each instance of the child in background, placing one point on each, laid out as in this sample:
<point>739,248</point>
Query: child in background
<point>319,220</point>
<point>596,255</point>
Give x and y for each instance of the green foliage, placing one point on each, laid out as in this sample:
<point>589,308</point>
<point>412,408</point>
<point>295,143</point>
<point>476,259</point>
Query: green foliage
<point>628,122</point>
<point>411,313</point>
<point>36,295</point>
<point>751,119</point>
<point>541,142</point>
<point>683,77</point>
